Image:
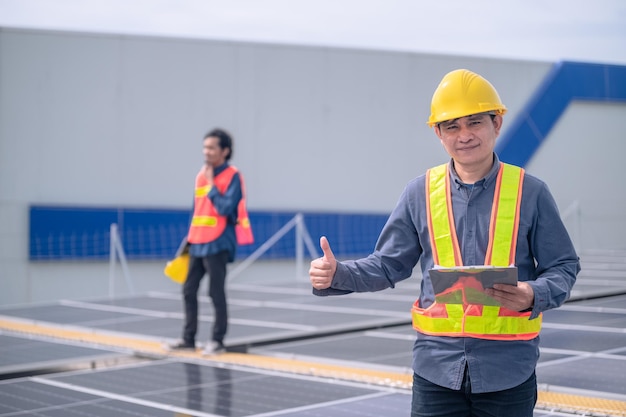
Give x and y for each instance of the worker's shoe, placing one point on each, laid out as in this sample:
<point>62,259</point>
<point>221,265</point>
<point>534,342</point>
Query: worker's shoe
<point>181,345</point>
<point>213,348</point>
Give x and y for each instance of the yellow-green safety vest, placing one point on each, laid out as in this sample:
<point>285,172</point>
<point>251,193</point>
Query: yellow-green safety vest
<point>459,318</point>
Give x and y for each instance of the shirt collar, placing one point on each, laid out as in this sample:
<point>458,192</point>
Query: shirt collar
<point>485,182</point>
<point>217,170</point>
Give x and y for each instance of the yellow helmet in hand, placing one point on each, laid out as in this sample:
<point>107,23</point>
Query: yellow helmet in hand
<point>177,269</point>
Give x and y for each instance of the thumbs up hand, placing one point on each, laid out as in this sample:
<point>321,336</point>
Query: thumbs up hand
<point>323,269</point>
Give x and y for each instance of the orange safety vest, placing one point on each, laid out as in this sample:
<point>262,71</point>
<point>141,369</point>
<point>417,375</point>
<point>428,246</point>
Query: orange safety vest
<point>452,315</point>
<point>207,224</point>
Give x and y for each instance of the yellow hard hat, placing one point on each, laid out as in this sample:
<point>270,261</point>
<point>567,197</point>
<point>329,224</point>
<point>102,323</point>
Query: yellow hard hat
<point>462,93</point>
<point>177,269</point>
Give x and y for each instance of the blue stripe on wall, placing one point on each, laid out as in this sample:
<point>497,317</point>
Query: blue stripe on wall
<point>83,233</point>
<point>566,82</point>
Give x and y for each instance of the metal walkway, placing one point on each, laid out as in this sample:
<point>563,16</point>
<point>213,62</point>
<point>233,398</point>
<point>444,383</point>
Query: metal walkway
<point>290,354</point>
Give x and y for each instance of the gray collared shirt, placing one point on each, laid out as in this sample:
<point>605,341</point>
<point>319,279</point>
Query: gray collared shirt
<point>545,257</point>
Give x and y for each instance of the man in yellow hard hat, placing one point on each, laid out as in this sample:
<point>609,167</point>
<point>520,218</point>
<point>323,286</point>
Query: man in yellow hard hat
<point>477,341</point>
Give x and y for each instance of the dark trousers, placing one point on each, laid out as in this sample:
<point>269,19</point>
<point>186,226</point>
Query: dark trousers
<point>215,267</point>
<point>430,400</point>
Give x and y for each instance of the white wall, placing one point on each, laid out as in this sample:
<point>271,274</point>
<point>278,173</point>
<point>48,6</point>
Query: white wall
<point>108,120</point>
<point>582,162</point>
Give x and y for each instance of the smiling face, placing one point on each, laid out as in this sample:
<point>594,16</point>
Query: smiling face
<point>470,141</point>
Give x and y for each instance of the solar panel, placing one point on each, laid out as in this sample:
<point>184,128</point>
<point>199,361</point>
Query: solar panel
<point>22,354</point>
<point>583,346</point>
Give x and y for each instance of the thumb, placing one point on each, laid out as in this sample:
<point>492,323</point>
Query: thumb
<point>328,253</point>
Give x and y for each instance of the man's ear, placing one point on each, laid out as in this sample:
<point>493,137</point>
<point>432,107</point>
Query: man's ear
<point>437,131</point>
<point>497,123</point>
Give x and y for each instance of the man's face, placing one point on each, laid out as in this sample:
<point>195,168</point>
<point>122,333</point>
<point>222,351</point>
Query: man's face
<point>213,154</point>
<point>470,140</point>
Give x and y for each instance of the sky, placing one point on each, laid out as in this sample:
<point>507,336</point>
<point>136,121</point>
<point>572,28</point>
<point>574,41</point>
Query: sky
<point>542,30</point>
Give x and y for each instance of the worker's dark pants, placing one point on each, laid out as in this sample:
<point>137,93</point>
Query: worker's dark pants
<point>430,400</point>
<point>215,267</point>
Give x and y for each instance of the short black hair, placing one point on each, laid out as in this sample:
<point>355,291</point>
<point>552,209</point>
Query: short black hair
<point>226,140</point>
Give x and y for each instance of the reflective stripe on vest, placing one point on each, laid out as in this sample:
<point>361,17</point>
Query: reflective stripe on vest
<point>210,221</point>
<point>207,224</point>
<point>243,230</point>
<point>443,239</point>
<point>504,222</point>
<point>482,322</point>
<point>459,318</point>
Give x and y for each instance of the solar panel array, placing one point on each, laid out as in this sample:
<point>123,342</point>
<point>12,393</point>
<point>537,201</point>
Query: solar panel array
<point>583,352</point>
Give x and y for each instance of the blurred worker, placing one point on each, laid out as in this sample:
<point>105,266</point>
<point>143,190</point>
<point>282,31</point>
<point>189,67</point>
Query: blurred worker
<point>219,223</point>
<point>468,360</point>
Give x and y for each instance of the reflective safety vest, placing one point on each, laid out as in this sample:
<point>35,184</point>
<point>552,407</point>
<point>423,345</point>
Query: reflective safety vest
<point>207,224</point>
<point>453,315</point>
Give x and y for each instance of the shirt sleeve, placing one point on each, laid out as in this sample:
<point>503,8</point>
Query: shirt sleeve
<point>397,252</point>
<point>226,204</point>
<point>557,263</point>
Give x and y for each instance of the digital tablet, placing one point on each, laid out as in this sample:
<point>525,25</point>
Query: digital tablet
<point>444,278</point>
